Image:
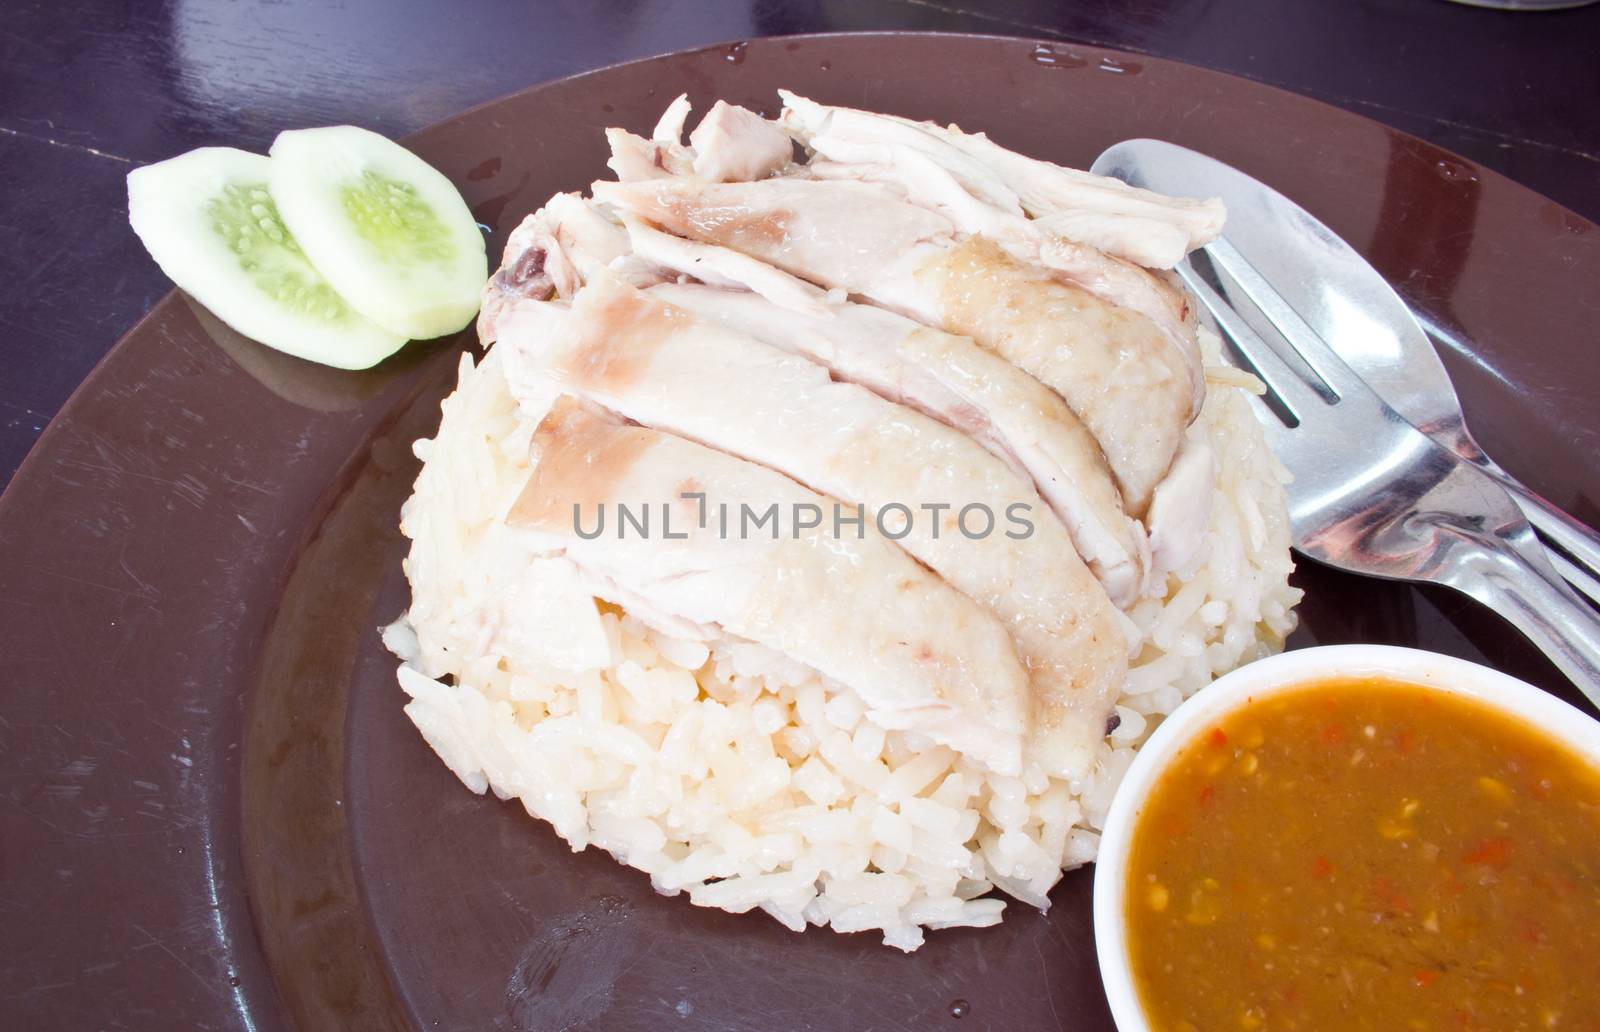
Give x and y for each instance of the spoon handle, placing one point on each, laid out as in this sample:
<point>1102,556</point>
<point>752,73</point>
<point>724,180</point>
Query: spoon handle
<point>1577,576</point>
<point>1534,601</point>
<point>1573,548</point>
<point>1580,544</point>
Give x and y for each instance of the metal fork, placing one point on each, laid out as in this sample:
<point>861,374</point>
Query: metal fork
<point>1371,493</point>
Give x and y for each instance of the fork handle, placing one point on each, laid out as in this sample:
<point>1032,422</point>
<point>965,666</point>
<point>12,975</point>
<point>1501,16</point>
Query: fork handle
<point>1580,544</point>
<point>1540,606</point>
<point>1585,581</point>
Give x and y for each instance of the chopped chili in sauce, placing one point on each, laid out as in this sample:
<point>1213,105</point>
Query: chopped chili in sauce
<point>1366,854</point>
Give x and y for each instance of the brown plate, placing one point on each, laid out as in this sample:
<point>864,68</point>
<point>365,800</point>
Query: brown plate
<point>216,815</point>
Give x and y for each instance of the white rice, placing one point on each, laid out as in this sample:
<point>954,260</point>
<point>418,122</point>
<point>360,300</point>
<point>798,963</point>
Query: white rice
<point>740,778</point>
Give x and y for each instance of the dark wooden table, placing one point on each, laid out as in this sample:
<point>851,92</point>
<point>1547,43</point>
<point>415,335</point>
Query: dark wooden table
<point>92,88</point>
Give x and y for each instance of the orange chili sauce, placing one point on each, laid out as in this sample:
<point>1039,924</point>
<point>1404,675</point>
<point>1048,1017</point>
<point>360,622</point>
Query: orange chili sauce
<point>1368,854</point>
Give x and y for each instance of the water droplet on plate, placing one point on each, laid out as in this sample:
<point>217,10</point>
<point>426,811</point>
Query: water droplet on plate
<point>1454,172</point>
<point>735,54</point>
<point>1054,57</point>
<point>1116,66</point>
<point>233,980</point>
<point>484,169</point>
<point>826,65</point>
<point>960,1009</point>
<point>1559,219</point>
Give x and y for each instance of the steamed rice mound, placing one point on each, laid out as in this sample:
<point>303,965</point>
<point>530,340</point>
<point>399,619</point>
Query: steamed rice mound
<point>745,780</point>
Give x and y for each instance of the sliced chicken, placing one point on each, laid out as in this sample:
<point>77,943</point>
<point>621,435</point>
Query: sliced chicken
<point>927,485</point>
<point>953,380</point>
<point>1148,228</point>
<point>1123,377</point>
<point>918,164</point>
<point>848,135</point>
<point>856,236</point>
<point>1134,390</point>
<point>669,127</point>
<point>724,267</point>
<point>1158,297</point>
<point>532,266</point>
<point>921,655</point>
<point>636,158</point>
<point>544,612</point>
<point>553,251</point>
<point>589,239</point>
<point>732,143</point>
<point>947,377</point>
<point>1180,510</point>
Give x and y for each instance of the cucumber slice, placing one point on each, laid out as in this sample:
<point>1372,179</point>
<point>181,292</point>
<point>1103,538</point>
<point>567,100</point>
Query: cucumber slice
<point>208,220</point>
<point>387,229</point>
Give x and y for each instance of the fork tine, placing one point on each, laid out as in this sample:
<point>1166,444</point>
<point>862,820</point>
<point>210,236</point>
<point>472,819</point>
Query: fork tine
<point>1284,441</point>
<point>1299,334</point>
<point>1281,380</point>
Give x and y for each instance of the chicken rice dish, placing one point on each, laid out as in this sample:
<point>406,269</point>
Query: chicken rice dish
<point>839,503</point>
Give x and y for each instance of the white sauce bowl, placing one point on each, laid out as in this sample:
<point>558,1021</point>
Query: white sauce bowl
<point>1261,679</point>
